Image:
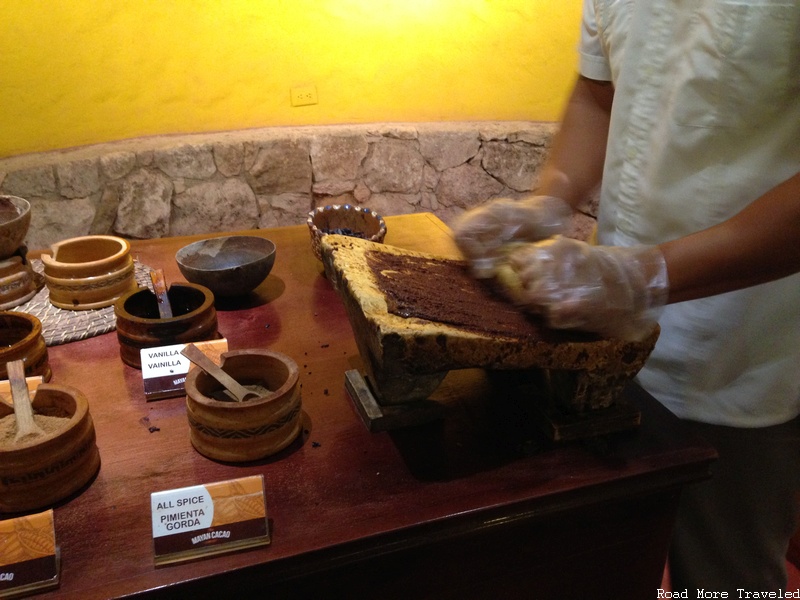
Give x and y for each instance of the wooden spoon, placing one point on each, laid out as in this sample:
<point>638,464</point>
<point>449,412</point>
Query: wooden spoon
<point>160,288</point>
<point>23,410</point>
<point>198,357</point>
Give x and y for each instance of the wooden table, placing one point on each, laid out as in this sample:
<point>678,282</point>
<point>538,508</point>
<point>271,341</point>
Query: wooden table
<point>452,509</point>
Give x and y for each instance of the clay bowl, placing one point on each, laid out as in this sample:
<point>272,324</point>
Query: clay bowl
<point>21,339</point>
<point>15,219</point>
<point>88,272</point>
<point>18,282</point>
<point>344,219</point>
<point>232,431</point>
<point>39,472</point>
<point>228,266</point>
<point>139,325</point>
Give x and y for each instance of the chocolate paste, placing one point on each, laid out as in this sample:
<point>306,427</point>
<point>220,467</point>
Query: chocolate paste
<point>443,291</point>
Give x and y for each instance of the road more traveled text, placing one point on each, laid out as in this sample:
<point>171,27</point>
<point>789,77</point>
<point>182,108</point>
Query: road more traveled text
<point>740,593</point>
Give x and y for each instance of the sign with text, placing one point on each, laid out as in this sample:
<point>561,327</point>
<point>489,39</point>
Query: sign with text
<point>164,368</point>
<point>209,519</point>
<point>29,557</point>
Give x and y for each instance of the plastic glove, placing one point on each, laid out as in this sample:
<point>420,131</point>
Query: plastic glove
<point>483,234</point>
<point>614,291</point>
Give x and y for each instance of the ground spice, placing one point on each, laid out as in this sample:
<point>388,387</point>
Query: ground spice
<point>8,428</point>
<point>224,396</point>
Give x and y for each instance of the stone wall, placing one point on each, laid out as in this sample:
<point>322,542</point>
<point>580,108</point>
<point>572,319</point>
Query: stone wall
<point>180,185</point>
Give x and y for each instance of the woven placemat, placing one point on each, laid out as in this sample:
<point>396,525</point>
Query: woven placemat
<point>61,326</point>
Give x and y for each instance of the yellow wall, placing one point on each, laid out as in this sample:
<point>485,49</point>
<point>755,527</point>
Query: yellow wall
<point>76,72</point>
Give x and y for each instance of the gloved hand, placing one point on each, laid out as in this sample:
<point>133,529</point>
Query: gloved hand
<point>614,291</point>
<point>483,234</point>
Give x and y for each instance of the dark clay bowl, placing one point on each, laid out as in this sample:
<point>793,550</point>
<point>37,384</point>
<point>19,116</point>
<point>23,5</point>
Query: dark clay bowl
<point>228,266</point>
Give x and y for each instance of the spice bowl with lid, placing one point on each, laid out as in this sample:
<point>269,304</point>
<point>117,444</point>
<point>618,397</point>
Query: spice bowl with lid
<point>18,282</point>
<point>88,272</point>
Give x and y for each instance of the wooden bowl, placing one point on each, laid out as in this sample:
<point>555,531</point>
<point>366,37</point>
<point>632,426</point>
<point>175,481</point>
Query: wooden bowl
<point>89,272</point>
<point>140,326</point>
<point>42,471</point>
<point>15,219</point>
<point>233,431</point>
<point>229,266</point>
<point>87,256</point>
<point>87,293</point>
<point>21,339</point>
<point>344,219</point>
<point>18,282</point>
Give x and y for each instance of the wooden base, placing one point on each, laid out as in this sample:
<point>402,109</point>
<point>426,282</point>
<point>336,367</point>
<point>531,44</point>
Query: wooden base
<point>531,407</point>
<point>378,417</point>
<point>530,413</point>
<point>562,427</point>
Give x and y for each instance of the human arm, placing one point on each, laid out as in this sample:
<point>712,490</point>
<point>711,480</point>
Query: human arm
<point>572,171</point>
<point>620,290</point>
<point>759,244</point>
<point>574,166</point>
<point>617,291</point>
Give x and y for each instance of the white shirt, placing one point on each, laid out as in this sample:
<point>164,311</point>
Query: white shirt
<point>706,118</point>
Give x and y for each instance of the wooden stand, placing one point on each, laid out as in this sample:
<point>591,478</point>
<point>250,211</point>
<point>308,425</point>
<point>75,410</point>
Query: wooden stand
<point>533,409</point>
<point>378,417</point>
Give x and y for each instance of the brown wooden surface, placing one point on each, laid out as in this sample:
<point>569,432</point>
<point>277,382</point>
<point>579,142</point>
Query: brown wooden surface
<point>474,506</point>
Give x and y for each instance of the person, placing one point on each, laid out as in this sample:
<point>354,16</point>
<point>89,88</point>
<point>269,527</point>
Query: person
<point>687,117</point>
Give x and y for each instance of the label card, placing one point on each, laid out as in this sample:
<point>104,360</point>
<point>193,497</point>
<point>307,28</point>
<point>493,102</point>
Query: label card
<point>209,519</point>
<point>164,368</point>
<point>29,558</point>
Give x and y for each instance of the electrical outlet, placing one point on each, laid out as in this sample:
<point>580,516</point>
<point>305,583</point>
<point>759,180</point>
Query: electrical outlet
<point>304,95</point>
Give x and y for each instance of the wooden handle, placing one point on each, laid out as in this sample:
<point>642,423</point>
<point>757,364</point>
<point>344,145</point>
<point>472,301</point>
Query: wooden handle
<point>194,354</point>
<point>23,410</point>
<point>160,288</point>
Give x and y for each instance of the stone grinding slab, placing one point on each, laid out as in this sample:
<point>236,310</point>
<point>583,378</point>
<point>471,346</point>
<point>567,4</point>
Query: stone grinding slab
<point>417,316</point>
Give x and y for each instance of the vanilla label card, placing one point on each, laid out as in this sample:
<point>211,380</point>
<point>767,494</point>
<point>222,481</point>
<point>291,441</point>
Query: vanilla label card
<point>164,368</point>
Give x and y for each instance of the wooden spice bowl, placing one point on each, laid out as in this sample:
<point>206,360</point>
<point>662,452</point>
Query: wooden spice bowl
<point>38,472</point>
<point>18,282</point>
<point>88,272</point>
<point>15,220</point>
<point>87,256</point>
<point>21,339</point>
<point>232,431</point>
<point>139,325</point>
